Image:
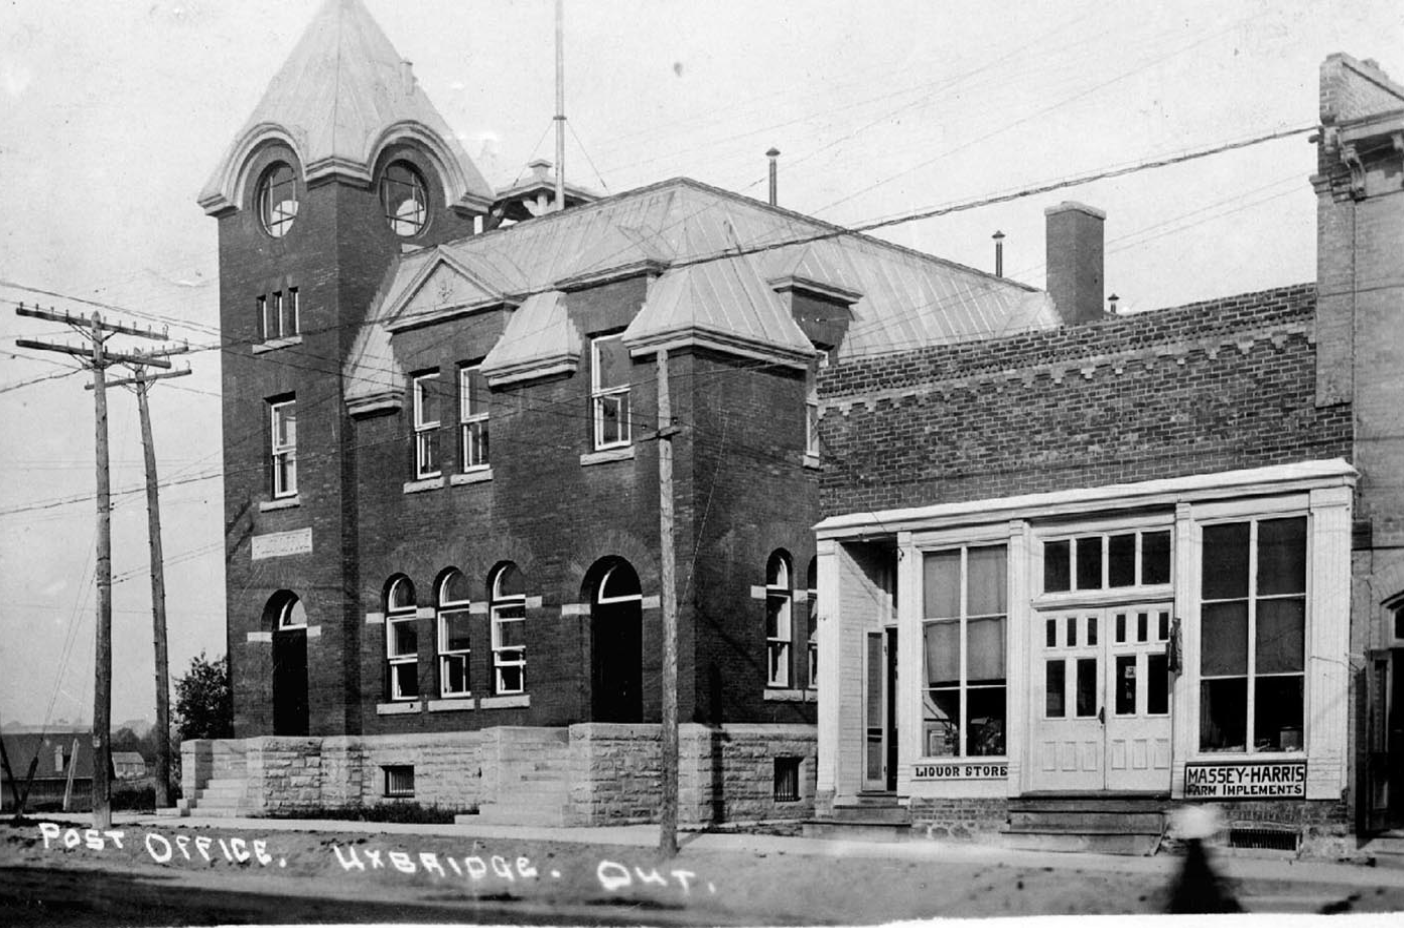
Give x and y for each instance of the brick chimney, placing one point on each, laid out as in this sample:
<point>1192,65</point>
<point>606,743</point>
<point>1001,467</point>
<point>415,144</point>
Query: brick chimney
<point>1075,279</point>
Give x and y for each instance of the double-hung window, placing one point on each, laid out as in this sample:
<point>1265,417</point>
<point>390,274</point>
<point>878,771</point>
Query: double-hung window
<point>426,425</point>
<point>965,681</point>
<point>278,314</point>
<point>472,418</point>
<point>453,635</point>
<point>1253,635</point>
<point>778,603</point>
<point>811,413</point>
<point>283,425</point>
<point>402,640</point>
<point>813,637</point>
<point>507,611</point>
<point>609,391</point>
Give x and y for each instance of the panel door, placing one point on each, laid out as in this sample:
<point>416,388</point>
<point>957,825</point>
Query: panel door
<point>1138,698</point>
<point>1069,675</point>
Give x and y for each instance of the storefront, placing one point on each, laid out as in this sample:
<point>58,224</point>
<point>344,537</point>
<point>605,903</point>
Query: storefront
<point>1179,638</point>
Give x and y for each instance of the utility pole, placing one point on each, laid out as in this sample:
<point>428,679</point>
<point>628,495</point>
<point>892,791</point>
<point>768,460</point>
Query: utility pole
<point>98,358</point>
<point>668,814</point>
<point>141,381</point>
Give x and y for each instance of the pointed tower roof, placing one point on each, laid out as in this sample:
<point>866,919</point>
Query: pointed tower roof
<point>342,96</point>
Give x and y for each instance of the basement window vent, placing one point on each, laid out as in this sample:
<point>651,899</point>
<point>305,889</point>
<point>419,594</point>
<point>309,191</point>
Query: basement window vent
<point>1259,837</point>
<point>787,771</point>
<point>399,781</point>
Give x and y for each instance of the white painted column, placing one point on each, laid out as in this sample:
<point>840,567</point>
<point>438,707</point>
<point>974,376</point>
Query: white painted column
<point>1019,671</point>
<point>909,648</point>
<point>1328,642</point>
<point>1184,693</point>
<point>831,654</point>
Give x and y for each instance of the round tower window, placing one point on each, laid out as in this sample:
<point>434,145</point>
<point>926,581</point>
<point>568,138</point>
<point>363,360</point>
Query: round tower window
<point>277,200</point>
<point>405,199</point>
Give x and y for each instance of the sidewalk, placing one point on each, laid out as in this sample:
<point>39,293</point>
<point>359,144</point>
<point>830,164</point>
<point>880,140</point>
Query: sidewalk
<point>1162,866</point>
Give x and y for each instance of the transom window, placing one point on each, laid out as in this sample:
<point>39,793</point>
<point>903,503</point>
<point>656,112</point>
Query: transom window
<point>293,614</point>
<point>405,199</point>
<point>609,391</point>
<point>472,418</point>
<point>453,634</point>
<point>402,640</point>
<point>778,601</point>
<point>1253,635</point>
<point>426,425</point>
<point>282,416</point>
<point>1106,561</point>
<point>277,200</point>
<point>964,704</point>
<point>508,619</point>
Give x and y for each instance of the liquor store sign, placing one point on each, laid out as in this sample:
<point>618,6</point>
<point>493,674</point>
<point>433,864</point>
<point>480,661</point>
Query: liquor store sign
<point>1246,781</point>
<point>960,771</point>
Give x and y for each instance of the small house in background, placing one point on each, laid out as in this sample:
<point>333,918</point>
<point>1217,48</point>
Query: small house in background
<point>57,754</point>
<point>128,765</point>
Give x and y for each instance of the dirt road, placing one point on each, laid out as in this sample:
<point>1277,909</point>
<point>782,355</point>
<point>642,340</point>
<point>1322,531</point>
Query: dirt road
<point>60,874</point>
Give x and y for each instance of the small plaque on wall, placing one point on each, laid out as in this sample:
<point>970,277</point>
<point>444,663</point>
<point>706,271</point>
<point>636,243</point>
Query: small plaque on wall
<point>1246,780</point>
<point>281,544</point>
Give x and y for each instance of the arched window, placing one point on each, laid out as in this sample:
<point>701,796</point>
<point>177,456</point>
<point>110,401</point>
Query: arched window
<point>402,640</point>
<point>777,620</point>
<point>277,199</point>
<point>405,199</point>
<point>453,634</point>
<point>813,638</point>
<point>292,614</point>
<point>507,611</point>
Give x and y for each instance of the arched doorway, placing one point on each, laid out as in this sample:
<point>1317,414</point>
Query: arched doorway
<point>289,619</point>
<point>616,643</point>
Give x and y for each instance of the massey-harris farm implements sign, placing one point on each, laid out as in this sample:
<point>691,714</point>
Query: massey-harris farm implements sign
<point>1246,781</point>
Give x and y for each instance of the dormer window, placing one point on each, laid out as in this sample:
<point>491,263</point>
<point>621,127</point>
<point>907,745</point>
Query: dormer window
<point>277,200</point>
<point>405,199</point>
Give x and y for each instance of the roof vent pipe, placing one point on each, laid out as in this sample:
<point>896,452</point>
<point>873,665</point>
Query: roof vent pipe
<point>773,154</point>
<point>1112,300</point>
<point>999,252</point>
<point>407,76</point>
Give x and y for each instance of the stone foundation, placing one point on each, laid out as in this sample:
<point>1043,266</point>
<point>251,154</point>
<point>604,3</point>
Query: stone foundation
<point>958,819</point>
<point>725,773</point>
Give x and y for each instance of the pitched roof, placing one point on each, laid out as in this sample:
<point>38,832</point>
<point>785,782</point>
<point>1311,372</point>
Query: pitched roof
<point>718,254</point>
<point>341,97</point>
<point>22,747</point>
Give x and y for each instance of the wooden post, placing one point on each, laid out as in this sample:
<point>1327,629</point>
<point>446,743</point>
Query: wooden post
<point>668,814</point>
<point>72,769</point>
<point>158,602</point>
<point>102,689</point>
<point>9,775</point>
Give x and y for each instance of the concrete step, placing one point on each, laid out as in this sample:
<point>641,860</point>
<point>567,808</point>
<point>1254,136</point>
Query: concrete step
<point>496,814</point>
<point>1138,822</point>
<point>224,782</point>
<point>1142,845</point>
<point>872,814</point>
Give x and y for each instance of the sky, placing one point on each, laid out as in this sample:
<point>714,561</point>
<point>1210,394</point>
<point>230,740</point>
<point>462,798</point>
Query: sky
<point>113,115</point>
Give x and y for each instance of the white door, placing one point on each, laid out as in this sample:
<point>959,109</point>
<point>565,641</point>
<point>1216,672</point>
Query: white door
<point>1101,708</point>
<point>1138,698</point>
<point>1069,678</point>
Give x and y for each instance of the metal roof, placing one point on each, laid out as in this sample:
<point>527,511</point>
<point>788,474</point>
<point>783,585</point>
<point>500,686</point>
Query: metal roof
<point>717,252</point>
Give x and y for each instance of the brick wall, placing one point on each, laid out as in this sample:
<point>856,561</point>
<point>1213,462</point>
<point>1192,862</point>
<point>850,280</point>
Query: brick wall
<point>1208,387</point>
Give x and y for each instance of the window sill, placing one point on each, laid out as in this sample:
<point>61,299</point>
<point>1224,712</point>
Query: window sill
<point>462,703</point>
<point>811,461</point>
<point>515,701</point>
<point>420,486</point>
<point>625,453</point>
<point>407,707</point>
<point>273,344</point>
<point>477,475</point>
<point>790,694</point>
<point>286,502</point>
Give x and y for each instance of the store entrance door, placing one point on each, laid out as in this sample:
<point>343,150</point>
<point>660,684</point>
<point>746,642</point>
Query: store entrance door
<point>1101,707</point>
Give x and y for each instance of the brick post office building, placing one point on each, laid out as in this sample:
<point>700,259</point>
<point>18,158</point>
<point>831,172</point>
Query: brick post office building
<point>441,489</point>
<point>1088,572</point>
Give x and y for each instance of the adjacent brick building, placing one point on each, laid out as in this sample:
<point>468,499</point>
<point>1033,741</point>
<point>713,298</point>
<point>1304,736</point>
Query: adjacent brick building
<point>1074,576</point>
